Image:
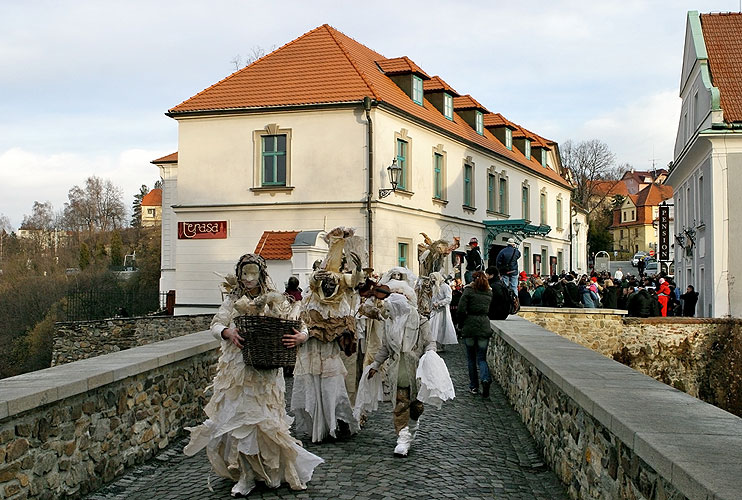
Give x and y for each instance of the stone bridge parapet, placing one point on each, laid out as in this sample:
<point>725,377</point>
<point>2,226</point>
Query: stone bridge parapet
<point>609,431</point>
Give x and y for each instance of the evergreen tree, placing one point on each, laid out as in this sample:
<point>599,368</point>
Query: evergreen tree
<point>117,250</point>
<point>84,256</point>
<point>136,207</point>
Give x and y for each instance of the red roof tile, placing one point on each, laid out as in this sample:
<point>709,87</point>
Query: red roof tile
<point>276,245</point>
<point>401,66</point>
<point>153,198</point>
<point>497,120</point>
<point>610,188</point>
<point>723,36</point>
<point>467,102</point>
<point>653,195</point>
<point>437,83</point>
<point>171,158</point>
<point>326,66</point>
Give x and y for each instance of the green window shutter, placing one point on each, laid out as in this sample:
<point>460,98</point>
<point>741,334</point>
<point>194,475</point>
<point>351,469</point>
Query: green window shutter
<point>438,176</point>
<point>503,190</point>
<point>402,162</point>
<point>402,251</point>
<point>490,192</point>
<point>417,90</point>
<point>468,186</point>
<point>448,106</point>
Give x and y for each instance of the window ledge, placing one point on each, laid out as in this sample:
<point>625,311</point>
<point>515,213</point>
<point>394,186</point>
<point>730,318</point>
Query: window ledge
<point>272,189</point>
<point>440,201</point>
<point>495,213</point>
<point>469,209</point>
<point>560,229</point>
<point>404,192</point>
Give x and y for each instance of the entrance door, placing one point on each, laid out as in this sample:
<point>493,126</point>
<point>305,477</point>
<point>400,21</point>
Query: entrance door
<point>492,254</point>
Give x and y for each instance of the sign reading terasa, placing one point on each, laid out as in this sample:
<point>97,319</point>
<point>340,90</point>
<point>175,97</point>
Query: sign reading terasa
<point>209,230</point>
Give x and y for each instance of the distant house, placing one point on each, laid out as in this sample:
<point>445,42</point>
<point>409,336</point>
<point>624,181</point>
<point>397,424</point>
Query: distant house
<point>705,172</point>
<point>635,220</point>
<point>152,208</point>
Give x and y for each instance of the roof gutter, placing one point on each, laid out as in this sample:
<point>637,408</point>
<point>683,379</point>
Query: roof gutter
<point>259,109</point>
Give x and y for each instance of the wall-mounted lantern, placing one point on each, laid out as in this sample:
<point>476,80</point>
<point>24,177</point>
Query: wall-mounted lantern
<point>393,171</point>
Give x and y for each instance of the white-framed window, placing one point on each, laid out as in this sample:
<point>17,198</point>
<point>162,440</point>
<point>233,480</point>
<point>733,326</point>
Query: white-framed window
<point>479,121</point>
<point>403,154</point>
<point>438,175</point>
<point>527,149</point>
<point>417,89</point>
<point>272,160</point>
<point>559,213</point>
<point>508,138</point>
<point>448,106</point>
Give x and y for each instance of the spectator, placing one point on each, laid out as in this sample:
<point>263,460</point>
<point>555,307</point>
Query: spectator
<point>690,299</point>
<point>571,292</point>
<point>524,296</point>
<point>507,264</point>
<point>610,295</point>
<point>473,260</point>
<point>538,291</point>
<point>663,296</point>
<point>641,265</point>
<point>501,300</point>
<point>618,276</point>
<point>554,293</point>
<point>293,290</point>
<point>473,316</point>
<point>585,295</point>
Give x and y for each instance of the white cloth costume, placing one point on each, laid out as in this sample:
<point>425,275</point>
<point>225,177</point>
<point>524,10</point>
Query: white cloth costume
<point>441,324</point>
<point>247,435</point>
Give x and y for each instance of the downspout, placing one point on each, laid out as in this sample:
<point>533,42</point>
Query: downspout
<point>369,194</point>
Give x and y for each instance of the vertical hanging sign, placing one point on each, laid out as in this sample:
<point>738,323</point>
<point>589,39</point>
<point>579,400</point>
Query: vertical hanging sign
<point>664,233</point>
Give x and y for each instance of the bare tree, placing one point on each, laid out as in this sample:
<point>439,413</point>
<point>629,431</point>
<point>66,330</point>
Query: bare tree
<point>253,55</point>
<point>41,218</point>
<point>97,207</point>
<point>5,229</point>
<point>589,161</point>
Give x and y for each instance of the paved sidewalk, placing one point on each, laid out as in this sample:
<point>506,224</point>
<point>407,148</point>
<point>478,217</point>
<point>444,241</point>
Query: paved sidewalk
<point>471,448</point>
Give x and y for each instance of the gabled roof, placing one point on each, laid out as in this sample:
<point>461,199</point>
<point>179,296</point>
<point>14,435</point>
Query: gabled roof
<point>610,188</point>
<point>653,195</point>
<point>467,102</point>
<point>324,66</point>
<point>153,198</point>
<point>436,83</point>
<point>400,66</point>
<point>497,120</point>
<point>276,245</point>
<point>722,34</point>
<point>171,158</point>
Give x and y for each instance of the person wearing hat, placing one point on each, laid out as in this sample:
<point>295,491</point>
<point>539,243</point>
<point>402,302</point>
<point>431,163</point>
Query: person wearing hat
<point>507,263</point>
<point>473,260</point>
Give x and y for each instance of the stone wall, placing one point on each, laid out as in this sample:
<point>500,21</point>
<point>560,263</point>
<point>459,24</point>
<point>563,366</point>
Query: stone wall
<point>67,430</point>
<point>608,431</point>
<point>676,351</point>
<point>75,340</point>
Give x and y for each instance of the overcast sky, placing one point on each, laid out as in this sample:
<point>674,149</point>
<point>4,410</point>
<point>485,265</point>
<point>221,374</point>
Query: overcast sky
<point>84,84</point>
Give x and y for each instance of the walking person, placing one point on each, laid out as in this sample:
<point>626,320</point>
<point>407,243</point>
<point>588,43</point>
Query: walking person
<point>247,435</point>
<point>507,264</point>
<point>441,324</point>
<point>473,260</point>
<point>476,331</point>
<point>690,299</point>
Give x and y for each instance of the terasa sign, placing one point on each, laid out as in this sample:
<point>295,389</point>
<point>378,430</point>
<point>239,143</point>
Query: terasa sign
<point>209,230</point>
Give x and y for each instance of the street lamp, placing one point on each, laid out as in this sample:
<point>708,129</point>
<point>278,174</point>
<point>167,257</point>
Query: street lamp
<point>394,171</point>
<point>576,224</point>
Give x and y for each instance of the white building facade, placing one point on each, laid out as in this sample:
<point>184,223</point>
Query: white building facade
<point>314,166</point>
<point>704,173</point>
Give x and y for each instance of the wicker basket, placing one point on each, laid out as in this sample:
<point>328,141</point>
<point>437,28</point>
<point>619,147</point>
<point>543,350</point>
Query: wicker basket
<point>263,346</point>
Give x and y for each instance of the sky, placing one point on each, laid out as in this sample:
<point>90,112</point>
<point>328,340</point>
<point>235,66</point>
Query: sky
<point>84,84</point>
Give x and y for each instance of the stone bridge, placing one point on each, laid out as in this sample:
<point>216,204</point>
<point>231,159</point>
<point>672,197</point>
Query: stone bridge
<point>566,422</point>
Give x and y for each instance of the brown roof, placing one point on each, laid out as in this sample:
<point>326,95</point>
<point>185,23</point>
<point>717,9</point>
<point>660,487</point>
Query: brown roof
<point>467,102</point>
<point>437,83</point>
<point>153,198</point>
<point>723,36</point>
<point>171,158</point>
<point>276,245</point>
<point>401,66</point>
<point>610,188</point>
<point>497,120</point>
<point>326,66</point>
<point>653,195</point>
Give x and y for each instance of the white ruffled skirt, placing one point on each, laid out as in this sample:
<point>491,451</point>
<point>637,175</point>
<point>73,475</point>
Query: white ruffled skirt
<point>247,416</point>
<point>320,398</point>
<point>441,326</point>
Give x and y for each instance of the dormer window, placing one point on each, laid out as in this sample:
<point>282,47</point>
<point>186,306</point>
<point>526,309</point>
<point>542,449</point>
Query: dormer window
<point>417,90</point>
<point>448,106</point>
<point>479,123</point>
<point>527,149</point>
<point>509,139</point>
<point>544,157</point>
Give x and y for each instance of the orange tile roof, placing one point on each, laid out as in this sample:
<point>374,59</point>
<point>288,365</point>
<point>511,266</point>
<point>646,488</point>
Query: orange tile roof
<point>276,245</point>
<point>610,188</point>
<point>653,195</point>
<point>497,120</point>
<point>401,66</point>
<point>467,102</point>
<point>326,66</point>
<point>153,198</point>
<point>723,36</point>
<point>437,83</point>
<point>171,158</point>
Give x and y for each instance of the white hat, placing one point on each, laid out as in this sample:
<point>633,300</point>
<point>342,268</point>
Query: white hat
<point>511,241</point>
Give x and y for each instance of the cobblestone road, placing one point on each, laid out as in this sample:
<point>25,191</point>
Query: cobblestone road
<point>471,448</point>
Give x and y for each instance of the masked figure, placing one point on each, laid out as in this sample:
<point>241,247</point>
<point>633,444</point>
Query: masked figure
<point>246,435</point>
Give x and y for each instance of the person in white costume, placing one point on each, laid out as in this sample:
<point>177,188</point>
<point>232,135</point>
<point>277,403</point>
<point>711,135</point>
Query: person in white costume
<point>319,398</point>
<point>403,343</point>
<point>247,435</point>
<point>441,324</point>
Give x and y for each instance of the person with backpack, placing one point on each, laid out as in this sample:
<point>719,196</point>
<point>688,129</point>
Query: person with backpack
<point>554,293</point>
<point>503,298</point>
<point>507,264</point>
<point>571,292</point>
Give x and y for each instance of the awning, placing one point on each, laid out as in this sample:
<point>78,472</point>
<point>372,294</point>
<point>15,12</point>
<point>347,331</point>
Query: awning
<point>519,228</point>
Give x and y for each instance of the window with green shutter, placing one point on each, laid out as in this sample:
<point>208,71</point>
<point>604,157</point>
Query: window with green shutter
<point>402,162</point>
<point>491,192</point>
<point>438,176</point>
<point>274,160</point>
<point>403,250</point>
<point>468,185</point>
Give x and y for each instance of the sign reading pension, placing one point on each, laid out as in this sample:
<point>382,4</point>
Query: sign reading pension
<point>209,230</point>
<point>664,233</point>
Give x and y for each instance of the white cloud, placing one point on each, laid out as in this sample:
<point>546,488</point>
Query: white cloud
<point>26,176</point>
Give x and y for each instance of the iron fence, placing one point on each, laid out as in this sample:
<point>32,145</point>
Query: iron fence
<point>89,304</point>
